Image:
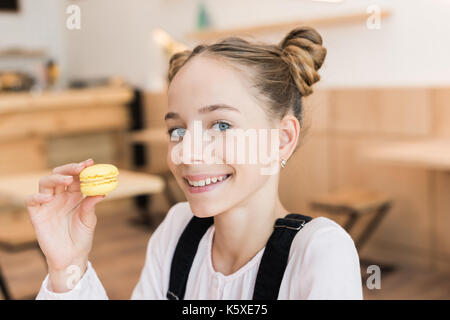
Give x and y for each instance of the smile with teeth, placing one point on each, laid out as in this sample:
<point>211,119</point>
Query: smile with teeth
<point>207,181</point>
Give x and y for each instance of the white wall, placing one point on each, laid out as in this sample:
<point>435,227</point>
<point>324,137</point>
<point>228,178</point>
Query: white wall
<point>115,38</point>
<point>411,48</point>
<point>38,25</point>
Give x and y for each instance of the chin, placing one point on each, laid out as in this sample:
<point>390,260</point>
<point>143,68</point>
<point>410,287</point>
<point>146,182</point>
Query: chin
<point>205,209</point>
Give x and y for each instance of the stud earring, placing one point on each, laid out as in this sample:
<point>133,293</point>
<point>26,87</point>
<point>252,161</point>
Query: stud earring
<point>283,163</point>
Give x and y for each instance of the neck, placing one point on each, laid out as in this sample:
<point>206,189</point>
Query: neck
<point>241,232</point>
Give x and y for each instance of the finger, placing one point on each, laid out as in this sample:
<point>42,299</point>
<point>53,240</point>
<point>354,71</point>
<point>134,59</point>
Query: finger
<point>35,200</point>
<point>73,169</point>
<point>87,210</point>
<point>75,185</point>
<point>54,184</point>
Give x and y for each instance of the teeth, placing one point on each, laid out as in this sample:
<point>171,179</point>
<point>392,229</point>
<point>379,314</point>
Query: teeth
<point>207,181</point>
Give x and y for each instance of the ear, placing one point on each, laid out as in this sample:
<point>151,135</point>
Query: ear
<point>289,134</point>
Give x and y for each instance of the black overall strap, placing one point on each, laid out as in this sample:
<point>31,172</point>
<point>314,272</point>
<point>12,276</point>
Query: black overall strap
<point>275,256</point>
<point>184,255</point>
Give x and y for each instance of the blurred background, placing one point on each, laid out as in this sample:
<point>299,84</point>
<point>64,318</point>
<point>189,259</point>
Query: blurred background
<point>87,79</point>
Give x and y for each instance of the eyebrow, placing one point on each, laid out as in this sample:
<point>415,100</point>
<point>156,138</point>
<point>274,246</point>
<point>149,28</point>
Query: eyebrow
<point>202,110</point>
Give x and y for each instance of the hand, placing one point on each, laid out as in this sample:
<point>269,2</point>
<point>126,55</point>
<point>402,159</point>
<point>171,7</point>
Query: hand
<point>64,230</point>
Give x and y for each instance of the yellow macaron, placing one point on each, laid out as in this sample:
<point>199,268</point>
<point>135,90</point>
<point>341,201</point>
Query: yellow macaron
<point>98,179</point>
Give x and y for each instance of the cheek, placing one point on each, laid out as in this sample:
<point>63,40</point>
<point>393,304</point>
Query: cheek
<point>258,147</point>
<point>247,179</point>
<point>171,162</point>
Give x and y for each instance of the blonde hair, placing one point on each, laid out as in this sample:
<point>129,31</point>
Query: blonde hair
<point>282,73</point>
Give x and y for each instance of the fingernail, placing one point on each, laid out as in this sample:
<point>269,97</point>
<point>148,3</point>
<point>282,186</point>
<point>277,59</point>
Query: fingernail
<point>67,178</point>
<point>82,163</point>
<point>46,196</point>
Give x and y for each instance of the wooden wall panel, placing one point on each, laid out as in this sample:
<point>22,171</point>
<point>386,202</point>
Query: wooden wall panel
<point>305,175</point>
<point>399,111</point>
<point>405,111</point>
<point>441,119</point>
<point>354,111</point>
<point>22,155</point>
<point>316,110</point>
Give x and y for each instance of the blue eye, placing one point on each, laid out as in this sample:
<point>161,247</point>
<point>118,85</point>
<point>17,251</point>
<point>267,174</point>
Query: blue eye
<point>222,126</point>
<point>176,133</point>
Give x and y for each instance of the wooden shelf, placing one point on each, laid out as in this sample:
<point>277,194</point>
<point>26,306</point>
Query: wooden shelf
<point>212,34</point>
<point>14,102</point>
<point>22,53</point>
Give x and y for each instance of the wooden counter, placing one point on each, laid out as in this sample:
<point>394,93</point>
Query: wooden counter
<point>29,122</point>
<point>63,99</point>
<point>432,154</point>
<point>41,131</point>
<point>16,231</point>
<point>16,187</point>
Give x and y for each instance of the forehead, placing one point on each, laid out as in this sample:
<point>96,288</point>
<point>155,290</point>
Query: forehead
<point>205,80</point>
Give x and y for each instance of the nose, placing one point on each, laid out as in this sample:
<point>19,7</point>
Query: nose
<point>193,145</point>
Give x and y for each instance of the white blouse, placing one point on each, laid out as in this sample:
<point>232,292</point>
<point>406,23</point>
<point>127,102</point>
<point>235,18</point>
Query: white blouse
<point>323,264</point>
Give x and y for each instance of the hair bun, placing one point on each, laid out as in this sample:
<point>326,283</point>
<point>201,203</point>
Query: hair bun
<point>303,52</point>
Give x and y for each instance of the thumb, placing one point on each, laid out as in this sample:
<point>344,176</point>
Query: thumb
<point>87,210</point>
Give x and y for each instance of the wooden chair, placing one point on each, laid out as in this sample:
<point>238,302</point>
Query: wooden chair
<point>356,203</point>
<point>16,234</point>
<point>4,287</point>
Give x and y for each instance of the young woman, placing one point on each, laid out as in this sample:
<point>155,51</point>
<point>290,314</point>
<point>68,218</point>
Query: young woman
<point>226,86</point>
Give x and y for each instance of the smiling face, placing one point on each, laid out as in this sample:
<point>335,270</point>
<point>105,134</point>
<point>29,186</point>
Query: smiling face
<point>217,97</point>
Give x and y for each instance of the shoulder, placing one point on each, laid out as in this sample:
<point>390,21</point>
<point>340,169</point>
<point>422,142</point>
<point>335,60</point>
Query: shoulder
<point>324,262</point>
<point>176,218</point>
<point>322,236</point>
<point>180,212</point>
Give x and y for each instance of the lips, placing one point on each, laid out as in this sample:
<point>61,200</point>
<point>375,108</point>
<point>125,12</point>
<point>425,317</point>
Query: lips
<point>203,176</point>
<point>205,182</point>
